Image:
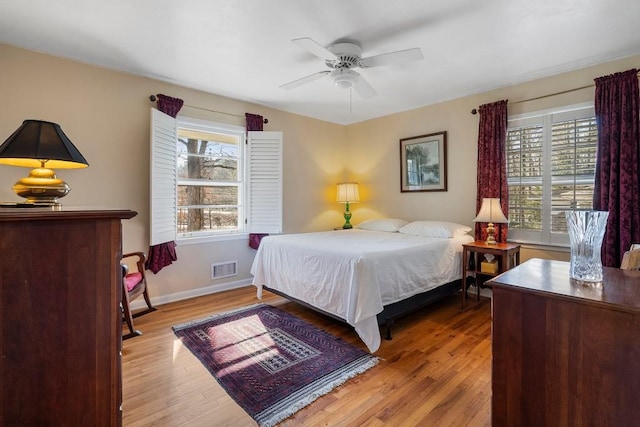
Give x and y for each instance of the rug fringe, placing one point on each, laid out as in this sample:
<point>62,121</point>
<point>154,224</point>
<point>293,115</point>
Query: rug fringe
<point>347,372</point>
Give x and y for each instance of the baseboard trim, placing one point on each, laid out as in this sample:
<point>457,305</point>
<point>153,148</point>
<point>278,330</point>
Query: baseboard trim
<point>193,293</point>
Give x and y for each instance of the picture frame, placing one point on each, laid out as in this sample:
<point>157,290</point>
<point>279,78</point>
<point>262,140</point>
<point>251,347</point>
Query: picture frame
<point>423,163</point>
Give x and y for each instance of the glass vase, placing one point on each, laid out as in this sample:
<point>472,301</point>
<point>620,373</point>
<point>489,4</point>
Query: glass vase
<point>586,231</point>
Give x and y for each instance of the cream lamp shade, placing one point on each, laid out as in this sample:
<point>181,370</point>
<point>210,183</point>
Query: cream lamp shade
<point>491,213</point>
<point>347,192</point>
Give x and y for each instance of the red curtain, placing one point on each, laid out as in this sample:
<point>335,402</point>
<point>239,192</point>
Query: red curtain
<point>164,254</point>
<point>492,164</point>
<point>616,181</point>
<point>161,256</point>
<point>255,122</point>
<point>169,105</point>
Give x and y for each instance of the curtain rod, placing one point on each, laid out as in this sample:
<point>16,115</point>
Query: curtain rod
<point>475,110</point>
<point>153,98</point>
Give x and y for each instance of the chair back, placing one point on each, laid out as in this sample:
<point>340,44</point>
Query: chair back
<point>631,258</point>
<point>134,284</point>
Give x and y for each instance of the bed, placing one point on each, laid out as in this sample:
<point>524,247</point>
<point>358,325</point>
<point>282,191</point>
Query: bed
<point>355,275</point>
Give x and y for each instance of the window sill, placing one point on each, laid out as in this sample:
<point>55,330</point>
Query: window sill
<point>542,246</point>
<point>211,238</point>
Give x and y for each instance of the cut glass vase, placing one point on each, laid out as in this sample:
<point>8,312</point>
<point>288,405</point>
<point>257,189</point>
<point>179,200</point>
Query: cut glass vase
<point>586,231</point>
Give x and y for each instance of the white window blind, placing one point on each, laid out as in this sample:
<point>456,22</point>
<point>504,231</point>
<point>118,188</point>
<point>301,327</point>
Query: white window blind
<point>163,177</point>
<point>265,182</point>
<point>524,177</point>
<point>550,169</point>
<point>573,166</point>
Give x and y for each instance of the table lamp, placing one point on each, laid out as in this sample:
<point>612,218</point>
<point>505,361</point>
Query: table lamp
<point>348,193</point>
<point>491,212</point>
<point>41,145</point>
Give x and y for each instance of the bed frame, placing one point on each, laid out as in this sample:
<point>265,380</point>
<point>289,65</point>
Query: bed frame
<point>398,309</point>
<point>391,312</point>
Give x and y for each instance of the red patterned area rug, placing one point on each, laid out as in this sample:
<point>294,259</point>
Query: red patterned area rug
<point>270,362</point>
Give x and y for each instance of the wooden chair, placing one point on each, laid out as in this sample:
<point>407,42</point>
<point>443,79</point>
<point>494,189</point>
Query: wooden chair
<point>631,258</point>
<point>134,284</point>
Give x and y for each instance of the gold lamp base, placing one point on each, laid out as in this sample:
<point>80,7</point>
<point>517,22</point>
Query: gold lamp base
<point>41,187</point>
<point>491,231</point>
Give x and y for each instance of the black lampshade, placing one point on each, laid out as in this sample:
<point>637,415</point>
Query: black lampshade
<point>42,146</point>
<point>37,141</point>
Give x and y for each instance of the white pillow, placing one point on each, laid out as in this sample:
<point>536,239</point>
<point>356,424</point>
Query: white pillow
<point>441,229</point>
<point>386,224</point>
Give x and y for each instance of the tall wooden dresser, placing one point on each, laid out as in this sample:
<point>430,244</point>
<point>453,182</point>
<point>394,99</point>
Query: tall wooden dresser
<point>60,318</point>
<point>565,354</point>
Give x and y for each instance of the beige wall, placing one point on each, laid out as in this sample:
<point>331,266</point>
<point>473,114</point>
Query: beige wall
<point>106,115</point>
<point>374,149</point>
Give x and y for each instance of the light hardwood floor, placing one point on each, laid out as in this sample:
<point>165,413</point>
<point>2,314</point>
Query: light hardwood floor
<point>435,372</point>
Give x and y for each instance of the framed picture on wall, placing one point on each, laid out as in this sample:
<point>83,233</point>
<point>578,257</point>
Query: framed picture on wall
<point>423,163</point>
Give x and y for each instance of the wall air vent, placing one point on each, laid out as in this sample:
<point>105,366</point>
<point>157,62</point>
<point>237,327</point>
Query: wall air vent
<point>224,269</point>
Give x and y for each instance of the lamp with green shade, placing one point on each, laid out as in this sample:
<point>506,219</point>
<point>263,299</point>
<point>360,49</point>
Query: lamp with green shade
<point>348,193</point>
<point>41,145</point>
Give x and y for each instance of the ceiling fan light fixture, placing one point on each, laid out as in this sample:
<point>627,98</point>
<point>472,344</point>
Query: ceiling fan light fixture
<point>344,78</point>
<point>342,57</point>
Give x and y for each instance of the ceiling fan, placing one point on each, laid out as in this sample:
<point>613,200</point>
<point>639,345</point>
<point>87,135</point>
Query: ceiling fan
<point>342,58</point>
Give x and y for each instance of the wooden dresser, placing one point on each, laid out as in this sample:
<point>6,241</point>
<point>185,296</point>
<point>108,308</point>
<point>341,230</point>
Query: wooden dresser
<point>565,354</point>
<point>60,318</point>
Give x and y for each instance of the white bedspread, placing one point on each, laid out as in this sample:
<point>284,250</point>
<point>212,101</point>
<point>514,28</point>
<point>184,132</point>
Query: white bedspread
<point>353,273</point>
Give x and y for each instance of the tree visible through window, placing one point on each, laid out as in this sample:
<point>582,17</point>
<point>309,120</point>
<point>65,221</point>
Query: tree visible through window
<point>213,181</point>
<point>550,169</point>
<point>209,172</point>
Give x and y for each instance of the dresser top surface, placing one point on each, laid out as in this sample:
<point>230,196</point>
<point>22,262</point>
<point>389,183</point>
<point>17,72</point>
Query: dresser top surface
<point>619,289</point>
<point>62,212</point>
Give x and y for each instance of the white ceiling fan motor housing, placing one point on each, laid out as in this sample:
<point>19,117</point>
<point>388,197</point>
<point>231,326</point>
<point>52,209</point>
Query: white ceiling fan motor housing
<point>344,77</point>
<point>348,56</point>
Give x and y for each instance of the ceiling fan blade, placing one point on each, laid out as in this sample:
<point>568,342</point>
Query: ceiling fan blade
<point>363,88</point>
<point>315,48</point>
<point>305,80</point>
<point>414,54</point>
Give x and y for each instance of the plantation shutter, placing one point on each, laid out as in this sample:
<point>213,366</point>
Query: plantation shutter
<point>551,159</point>
<point>264,172</point>
<point>163,177</point>
<point>524,176</point>
<point>573,165</point>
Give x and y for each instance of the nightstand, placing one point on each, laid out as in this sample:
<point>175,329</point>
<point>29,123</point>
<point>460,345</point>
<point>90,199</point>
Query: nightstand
<point>507,256</point>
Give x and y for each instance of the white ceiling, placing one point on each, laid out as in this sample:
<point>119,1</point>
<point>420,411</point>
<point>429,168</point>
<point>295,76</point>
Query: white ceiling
<point>242,48</point>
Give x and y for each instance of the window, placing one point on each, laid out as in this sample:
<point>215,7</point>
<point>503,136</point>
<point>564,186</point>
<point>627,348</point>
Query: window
<point>551,158</point>
<point>210,182</point>
<point>210,179</point>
